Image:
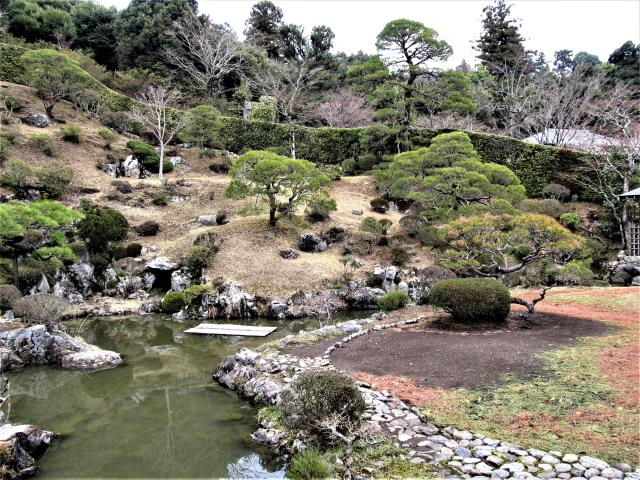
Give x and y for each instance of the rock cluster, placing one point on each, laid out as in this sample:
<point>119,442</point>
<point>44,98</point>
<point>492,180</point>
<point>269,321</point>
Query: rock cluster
<point>39,120</point>
<point>19,445</point>
<point>625,271</point>
<point>36,345</point>
<point>262,376</point>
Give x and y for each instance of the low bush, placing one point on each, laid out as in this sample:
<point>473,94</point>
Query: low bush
<point>471,300</point>
<point>399,254</point>
<point>172,302</point>
<point>221,165</point>
<point>198,257</point>
<point>194,293</point>
<point>9,294</point>
<point>41,308</point>
<point>11,134</point>
<point>411,224</point>
<point>107,135</point>
<point>556,192</point>
<point>548,206</point>
<point>134,250</point>
<point>317,395</point>
<point>149,228</point>
<point>54,177</point>
<point>122,186</point>
<point>571,220</point>
<point>119,121</point>
<point>71,133</point>
<point>320,206</point>
<point>308,465</point>
<point>377,227</point>
<point>101,225</point>
<point>393,300</point>
<point>4,149</point>
<point>148,156</point>
<point>17,176</point>
<point>379,204</point>
<point>160,199</point>
<point>12,104</point>
<point>43,142</point>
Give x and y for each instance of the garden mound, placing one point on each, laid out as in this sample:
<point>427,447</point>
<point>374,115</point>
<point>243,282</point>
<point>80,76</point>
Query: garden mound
<point>468,358</point>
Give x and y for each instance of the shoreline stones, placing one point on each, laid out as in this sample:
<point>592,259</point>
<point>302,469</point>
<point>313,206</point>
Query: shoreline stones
<point>19,445</point>
<point>261,377</point>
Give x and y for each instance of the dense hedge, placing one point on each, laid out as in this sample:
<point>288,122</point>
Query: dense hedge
<point>535,165</point>
<point>471,300</point>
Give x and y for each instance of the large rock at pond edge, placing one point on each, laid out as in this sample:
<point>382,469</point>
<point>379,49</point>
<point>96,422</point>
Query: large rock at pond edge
<point>36,345</point>
<point>161,263</point>
<point>39,120</point>
<point>311,242</point>
<point>180,279</point>
<point>81,274</point>
<point>364,298</point>
<point>19,445</point>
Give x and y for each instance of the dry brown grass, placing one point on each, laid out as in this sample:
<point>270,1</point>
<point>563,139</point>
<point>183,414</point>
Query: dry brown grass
<point>249,252</point>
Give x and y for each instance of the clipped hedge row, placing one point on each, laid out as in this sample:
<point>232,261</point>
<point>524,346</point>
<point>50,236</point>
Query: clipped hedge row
<point>535,165</point>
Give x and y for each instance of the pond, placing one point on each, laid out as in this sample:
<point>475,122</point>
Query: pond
<point>160,415</point>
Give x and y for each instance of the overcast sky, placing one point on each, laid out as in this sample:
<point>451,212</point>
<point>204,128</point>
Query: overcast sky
<point>597,27</point>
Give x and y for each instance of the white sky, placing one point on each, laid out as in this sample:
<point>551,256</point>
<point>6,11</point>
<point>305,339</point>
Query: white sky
<point>594,26</point>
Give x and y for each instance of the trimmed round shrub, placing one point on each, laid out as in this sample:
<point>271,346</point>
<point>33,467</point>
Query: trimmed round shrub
<point>221,165</point>
<point>316,395</point>
<point>102,225</point>
<point>107,135</point>
<point>393,300</point>
<point>308,465</point>
<point>41,308</point>
<point>54,176</point>
<point>9,294</point>
<point>379,204</point>
<point>377,227</point>
<point>71,133</point>
<point>147,229</point>
<point>172,302</point>
<point>193,293</point>
<point>161,199</point>
<point>548,206</point>
<point>471,300</point>
<point>43,142</point>
<point>122,186</point>
<point>571,220</point>
<point>134,250</point>
<point>556,192</point>
<point>198,257</point>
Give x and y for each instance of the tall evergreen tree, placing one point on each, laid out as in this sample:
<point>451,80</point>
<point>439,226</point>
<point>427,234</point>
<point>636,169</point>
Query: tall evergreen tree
<point>95,32</point>
<point>626,60</point>
<point>500,44</point>
<point>263,27</point>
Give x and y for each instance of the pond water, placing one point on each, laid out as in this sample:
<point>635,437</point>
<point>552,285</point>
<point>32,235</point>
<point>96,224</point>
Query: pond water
<point>160,415</point>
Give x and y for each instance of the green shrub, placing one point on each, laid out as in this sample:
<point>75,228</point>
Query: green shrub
<point>320,206</point>
<point>411,224</point>
<point>574,273</point>
<point>393,300</point>
<point>101,225</point>
<point>556,192</point>
<point>198,257</point>
<point>548,206</point>
<point>308,465</point>
<point>399,254</point>
<point>148,156</point>
<point>160,199</point>
<point>43,142</point>
<point>55,177</point>
<point>349,166</point>
<point>379,204</point>
<point>172,302</point>
<point>71,133</point>
<point>134,250</point>
<point>4,148</point>
<point>13,104</point>
<point>149,228</point>
<point>316,395</point>
<point>11,134</point>
<point>571,220</point>
<point>9,294</point>
<point>221,165</point>
<point>377,227</point>
<point>107,135</point>
<point>194,293</point>
<point>201,127</point>
<point>471,300</point>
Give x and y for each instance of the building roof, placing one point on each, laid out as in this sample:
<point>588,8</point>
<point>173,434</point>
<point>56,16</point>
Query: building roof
<point>582,139</point>
<point>631,193</point>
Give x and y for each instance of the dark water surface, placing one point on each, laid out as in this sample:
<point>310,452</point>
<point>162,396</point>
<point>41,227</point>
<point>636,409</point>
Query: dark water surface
<point>160,415</point>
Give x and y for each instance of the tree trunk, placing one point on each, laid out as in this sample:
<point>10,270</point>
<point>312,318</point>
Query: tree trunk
<point>292,140</point>
<point>272,216</point>
<point>160,167</point>
<point>16,277</point>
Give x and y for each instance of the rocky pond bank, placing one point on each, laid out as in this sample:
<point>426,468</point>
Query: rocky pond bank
<point>261,377</point>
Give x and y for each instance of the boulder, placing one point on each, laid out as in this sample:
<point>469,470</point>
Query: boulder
<point>81,274</point>
<point>148,279</point>
<point>180,279</point>
<point>289,254</point>
<point>93,358</point>
<point>269,436</point>
<point>277,309</point>
<point>233,302</point>
<point>311,242</point>
<point>357,211</point>
<point>207,220</point>
<point>128,286</point>
<point>42,286</point>
<point>39,120</point>
<point>110,169</point>
<point>364,298</point>
<point>131,167</point>
<point>19,445</point>
<point>161,263</point>
<point>176,160</point>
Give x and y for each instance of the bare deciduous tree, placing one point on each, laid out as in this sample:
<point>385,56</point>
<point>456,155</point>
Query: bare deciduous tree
<point>206,53</point>
<point>154,113</point>
<point>289,82</point>
<point>345,109</point>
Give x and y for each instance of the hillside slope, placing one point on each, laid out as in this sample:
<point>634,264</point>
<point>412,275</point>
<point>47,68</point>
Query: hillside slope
<point>249,252</point>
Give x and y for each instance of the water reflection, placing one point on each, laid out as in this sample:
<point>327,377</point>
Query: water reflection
<point>160,415</point>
